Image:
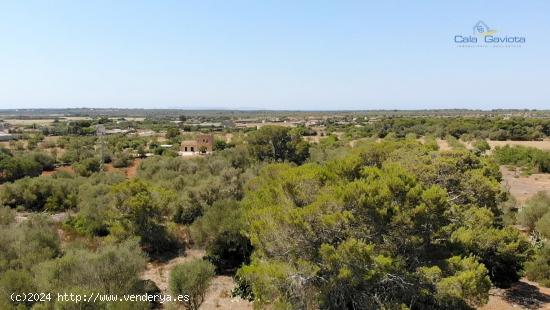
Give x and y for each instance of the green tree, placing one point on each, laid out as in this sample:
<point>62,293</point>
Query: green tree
<point>219,230</point>
<point>87,166</point>
<point>139,211</point>
<point>172,132</point>
<point>276,143</point>
<point>374,224</point>
<point>469,283</point>
<point>481,145</point>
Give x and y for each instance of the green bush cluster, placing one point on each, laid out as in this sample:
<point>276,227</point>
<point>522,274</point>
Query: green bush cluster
<point>219,230</point>
<point>388,224</point>
<point>535,216</point>
<point>41,193</point>
<point>191,279</point>
<point>18,165</point>
<point>454,142</point>
<point>528,157</point>
<point>276,143</point>
<point>493,128</point>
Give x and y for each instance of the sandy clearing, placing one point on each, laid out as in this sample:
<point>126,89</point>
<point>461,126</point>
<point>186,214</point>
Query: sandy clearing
<point>522,295</point>
<point>524,187</point>
<point>443,145</point>
<point>26,122</point>
<point>218,295</point>
<point>159,272</point>
<point>543,145</point>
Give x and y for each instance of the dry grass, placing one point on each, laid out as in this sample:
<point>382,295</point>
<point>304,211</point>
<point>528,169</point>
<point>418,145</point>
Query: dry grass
<point>543,145</point>
<point>26,122</point>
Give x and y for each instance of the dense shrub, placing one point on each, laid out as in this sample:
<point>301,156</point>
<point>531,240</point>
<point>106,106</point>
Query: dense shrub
<point>454,142</point>
<point>481,145</point>
<point>539,268</point>
<point>87,166</point>
<point>192,279</point>
<point>200,182</point>
<point>77,148</point>
<point>535,208</point>
<point>112,269</point>
<point>494,128</point>
<point>17,166</point>
<point>528,157</point>
<point>26,244</point>
<point>219,230</point>
<point>94,201</point>
<point>139,209</point>
<point>122,160</point>
<point>7,215</point>
<point>41,193</point>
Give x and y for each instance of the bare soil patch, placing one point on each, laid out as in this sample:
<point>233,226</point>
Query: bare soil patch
<point>523,187</point>
<point>25,122</point>
<point>219,296</point>
<point>68,169</point>
<point>219,292</point>
<point>443,145</point>
<point>159,272</point>
<point>522,295</point>
<point>313,139</point>
<point>130,172</point>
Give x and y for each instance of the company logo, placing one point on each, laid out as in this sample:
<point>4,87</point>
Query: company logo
<point>481,29</point>
<point>485,36</point>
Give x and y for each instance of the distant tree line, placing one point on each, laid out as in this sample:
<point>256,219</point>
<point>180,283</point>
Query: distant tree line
<point>467,128</point>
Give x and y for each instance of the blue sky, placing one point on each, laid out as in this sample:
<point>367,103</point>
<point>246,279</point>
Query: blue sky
<point>299,55</point>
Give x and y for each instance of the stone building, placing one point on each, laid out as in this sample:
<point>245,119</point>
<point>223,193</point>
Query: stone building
<point>202,144</point>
